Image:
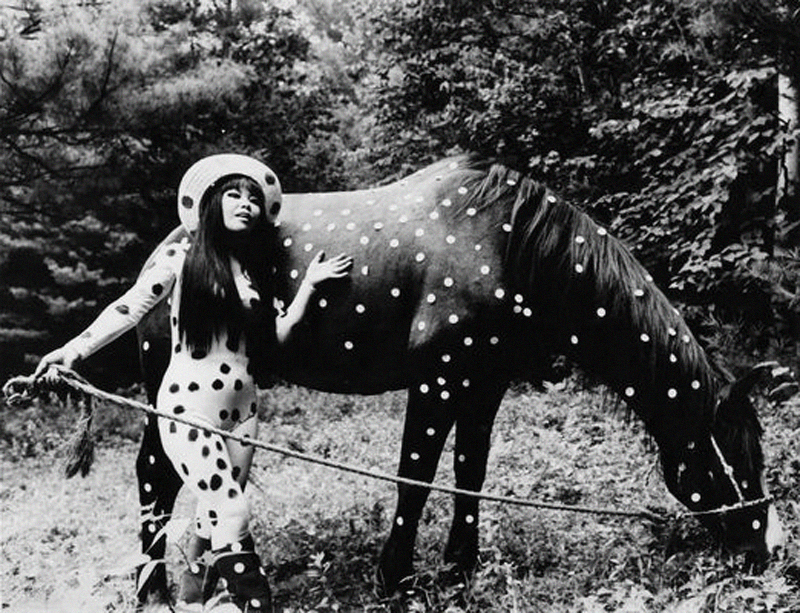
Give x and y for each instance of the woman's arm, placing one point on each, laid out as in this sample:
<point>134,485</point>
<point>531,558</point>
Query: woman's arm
<point>152,286</point>
<point>319,270</point>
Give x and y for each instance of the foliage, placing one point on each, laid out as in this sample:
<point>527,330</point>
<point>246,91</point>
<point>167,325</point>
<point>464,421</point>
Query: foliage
<point>104,106</point>
<point>656,115</point>
<point>320,531</point>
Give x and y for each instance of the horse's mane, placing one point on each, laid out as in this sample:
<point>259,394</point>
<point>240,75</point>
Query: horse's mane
<point>592,300</point>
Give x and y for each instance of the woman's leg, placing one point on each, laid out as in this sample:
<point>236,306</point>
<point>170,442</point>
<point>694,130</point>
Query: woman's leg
<point>212,468</point>
<point>241,454</point>
<point>204,463</point>
<point>239,564</point>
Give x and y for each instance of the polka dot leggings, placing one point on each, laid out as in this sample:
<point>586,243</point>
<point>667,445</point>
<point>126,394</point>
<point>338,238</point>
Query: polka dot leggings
<point>215,469</point>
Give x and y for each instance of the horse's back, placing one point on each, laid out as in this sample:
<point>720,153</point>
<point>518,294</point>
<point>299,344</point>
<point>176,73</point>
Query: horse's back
<point>426,285</point>
<point>426,291</point>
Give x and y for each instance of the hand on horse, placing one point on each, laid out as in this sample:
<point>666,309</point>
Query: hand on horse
<point>321,269</point>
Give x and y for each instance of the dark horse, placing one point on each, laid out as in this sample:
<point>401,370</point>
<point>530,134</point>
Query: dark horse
<point>469,276</point>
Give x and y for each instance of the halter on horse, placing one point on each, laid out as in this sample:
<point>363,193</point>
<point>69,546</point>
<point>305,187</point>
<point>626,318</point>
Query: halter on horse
<point>469,276</point>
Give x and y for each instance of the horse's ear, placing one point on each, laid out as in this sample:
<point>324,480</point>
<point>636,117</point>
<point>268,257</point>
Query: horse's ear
<point>740,388</point>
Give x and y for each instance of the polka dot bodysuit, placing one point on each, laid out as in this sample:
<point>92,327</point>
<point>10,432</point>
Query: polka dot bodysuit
<point>214,388</point>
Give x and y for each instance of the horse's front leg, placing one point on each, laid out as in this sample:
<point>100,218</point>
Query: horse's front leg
<point>427,424</point>
<point>473,431</point>
<point>159,485</point>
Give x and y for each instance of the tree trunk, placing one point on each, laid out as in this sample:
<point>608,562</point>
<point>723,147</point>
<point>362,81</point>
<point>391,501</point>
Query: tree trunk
<point>788,186</point>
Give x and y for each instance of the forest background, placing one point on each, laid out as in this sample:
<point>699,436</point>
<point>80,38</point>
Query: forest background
<point>674,122</point>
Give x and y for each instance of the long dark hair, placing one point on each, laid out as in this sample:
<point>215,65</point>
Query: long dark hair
<point>209,301</point>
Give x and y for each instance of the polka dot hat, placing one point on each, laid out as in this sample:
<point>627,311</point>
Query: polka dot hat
<point>207,171</point>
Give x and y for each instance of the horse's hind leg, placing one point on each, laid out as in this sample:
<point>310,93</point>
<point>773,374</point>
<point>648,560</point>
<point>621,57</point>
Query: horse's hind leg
<point>473,431</point>
<point>428,422</point>
<point>159,485</point>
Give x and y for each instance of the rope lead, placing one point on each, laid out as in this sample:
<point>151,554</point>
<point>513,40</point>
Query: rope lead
<point>75,381</point>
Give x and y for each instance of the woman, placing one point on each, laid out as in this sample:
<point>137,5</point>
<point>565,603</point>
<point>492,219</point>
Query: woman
<point>219,288</point>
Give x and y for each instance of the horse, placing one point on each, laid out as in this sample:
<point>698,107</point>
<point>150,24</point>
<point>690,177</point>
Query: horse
<point>469,276</point>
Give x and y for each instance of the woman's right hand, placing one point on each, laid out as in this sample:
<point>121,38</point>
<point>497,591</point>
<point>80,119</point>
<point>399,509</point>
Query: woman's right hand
<point>320,269</point>
<point>64,356</point>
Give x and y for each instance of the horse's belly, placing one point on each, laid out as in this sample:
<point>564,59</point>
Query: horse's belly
<point>347,353</point>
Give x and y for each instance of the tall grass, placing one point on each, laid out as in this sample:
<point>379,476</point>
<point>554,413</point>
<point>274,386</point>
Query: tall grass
<point>320,531</point>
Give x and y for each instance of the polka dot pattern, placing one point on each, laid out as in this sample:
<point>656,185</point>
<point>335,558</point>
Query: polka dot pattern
<point>417,232</point>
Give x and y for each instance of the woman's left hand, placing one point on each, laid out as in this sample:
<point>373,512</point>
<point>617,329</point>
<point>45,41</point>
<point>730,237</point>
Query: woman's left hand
<point>321,269</point>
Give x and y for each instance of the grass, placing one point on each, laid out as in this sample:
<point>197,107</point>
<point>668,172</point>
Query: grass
<point>71,544</point>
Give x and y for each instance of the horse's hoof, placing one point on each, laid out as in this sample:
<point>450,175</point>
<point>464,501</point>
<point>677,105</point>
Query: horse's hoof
<point>461,562</point>
<point>394,566</point>
<point>389,582</point>
<point>454,575</point>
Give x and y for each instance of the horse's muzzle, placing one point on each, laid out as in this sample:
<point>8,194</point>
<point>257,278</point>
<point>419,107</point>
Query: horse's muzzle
<point>774,536</point>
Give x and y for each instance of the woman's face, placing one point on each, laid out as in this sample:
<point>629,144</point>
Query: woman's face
<point>241,208</point>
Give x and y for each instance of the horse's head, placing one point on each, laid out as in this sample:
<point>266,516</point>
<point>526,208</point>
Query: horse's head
<point>725,468</point>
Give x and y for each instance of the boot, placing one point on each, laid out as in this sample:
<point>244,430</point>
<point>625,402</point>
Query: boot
<point>240,568</point>
<point>199,581</point>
